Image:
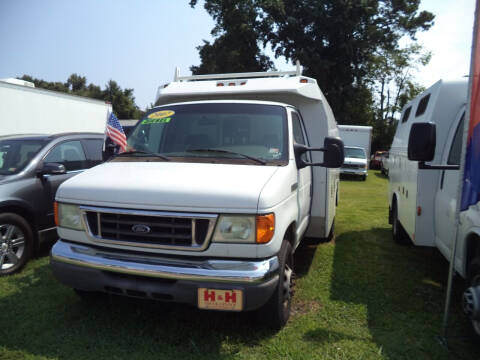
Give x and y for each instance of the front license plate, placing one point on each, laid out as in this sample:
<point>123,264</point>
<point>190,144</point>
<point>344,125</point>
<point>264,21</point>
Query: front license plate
<point>216,299</point>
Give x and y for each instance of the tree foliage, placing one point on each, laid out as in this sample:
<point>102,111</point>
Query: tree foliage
<point>237,44</point>
<point>123,101</point>
<point>342,43</point>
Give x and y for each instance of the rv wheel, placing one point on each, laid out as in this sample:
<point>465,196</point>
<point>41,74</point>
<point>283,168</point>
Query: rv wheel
<point>471,297</point>
<point>398,233</point>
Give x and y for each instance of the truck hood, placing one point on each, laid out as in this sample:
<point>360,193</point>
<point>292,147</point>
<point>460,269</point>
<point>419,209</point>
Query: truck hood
<point>169,186</point>
<point>354,161</point>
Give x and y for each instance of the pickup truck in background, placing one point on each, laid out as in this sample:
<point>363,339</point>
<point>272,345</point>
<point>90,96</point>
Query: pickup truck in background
<point>220,182</point>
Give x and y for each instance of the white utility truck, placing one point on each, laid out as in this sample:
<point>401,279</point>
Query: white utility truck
<point>357,136</point>
<point>218,186</point>
<point>422,196</point>
<point>25,109</point>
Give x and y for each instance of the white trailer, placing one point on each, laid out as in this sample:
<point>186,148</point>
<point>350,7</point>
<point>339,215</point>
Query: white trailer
<point>358,136</point>
<point>25,109</point>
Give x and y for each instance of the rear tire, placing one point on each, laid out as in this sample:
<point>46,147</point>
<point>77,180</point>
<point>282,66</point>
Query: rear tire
<point>398,233</point>
<point>277,309</point>
<point>16,243</point>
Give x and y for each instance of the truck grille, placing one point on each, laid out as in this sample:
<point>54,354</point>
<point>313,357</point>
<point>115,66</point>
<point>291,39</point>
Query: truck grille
<point>152,229</point>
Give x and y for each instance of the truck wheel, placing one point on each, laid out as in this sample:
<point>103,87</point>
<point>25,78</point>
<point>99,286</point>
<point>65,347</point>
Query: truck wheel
<point>364,177</point>
<point>277,309</point>
<point>471,297</point>
<point>398,233</point>
<point>16,243</point>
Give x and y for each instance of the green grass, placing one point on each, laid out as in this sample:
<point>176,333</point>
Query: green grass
<point>358,297</point>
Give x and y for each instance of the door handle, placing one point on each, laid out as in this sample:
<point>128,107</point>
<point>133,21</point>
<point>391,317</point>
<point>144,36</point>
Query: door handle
<point>441,179</point>
<point>294,187</point>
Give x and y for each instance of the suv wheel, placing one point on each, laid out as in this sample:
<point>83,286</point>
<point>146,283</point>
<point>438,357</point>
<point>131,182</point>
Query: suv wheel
<point>16,243</point>
<point>277,309</point>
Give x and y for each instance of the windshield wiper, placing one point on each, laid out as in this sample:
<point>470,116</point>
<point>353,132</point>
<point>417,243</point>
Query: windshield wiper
<point>229,152</point>
<point>140,152</point>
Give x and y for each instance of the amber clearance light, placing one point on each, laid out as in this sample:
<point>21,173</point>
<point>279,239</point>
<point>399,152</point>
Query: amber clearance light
<point>265,228</point>
<point>55,212</point>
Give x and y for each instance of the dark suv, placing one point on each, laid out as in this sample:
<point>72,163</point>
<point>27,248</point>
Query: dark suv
<point>31,169</point>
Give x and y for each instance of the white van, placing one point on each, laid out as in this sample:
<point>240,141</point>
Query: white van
<point>423,196</point>
<point>211,199</point>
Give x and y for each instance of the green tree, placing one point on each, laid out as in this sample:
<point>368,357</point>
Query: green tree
<point>339,43</point>
<point>123,101</point>
<point>393,86</point>
<point>237,44</point>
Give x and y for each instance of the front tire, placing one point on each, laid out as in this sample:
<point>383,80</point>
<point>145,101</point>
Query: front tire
<point>471,298</point>
<point>16,243</point>
<point>277,309</point>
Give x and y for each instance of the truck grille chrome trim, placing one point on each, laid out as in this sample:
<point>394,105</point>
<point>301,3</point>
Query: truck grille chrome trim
<point>148,229</point>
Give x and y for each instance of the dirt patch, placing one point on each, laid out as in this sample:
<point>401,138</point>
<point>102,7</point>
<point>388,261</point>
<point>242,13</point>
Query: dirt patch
<point>302,307</point>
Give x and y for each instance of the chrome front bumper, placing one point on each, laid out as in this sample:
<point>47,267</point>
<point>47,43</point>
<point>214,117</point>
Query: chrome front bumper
<point>219,271</point>
<point>351,171</point>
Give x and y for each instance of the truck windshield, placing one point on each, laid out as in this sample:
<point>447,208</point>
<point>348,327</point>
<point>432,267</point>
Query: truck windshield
<point>228,132</point>
<point>354,153</point>
<point>16,154</point>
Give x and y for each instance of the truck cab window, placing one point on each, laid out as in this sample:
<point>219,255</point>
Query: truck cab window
<point>297,129</point>
<point>456,148</point>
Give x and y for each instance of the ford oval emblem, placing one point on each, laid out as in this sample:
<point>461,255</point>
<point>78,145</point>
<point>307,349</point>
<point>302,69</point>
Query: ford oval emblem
<point>141,229</point>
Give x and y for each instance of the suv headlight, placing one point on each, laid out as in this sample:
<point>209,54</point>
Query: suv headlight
<point>69,216</point>
<point>246,229</point>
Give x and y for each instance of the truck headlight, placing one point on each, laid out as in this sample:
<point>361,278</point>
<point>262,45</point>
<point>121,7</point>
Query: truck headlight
<point>69,216</point>
<point>236,229</point>
<point>245,229</point>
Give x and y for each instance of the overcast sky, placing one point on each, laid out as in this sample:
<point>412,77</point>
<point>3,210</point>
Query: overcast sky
<point>139,43</point>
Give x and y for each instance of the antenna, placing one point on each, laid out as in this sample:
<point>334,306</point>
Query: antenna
<point>177,74</point>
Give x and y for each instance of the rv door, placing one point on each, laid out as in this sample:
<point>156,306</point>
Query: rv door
<point>445,199</point>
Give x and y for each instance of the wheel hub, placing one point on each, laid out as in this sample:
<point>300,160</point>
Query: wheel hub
<point>471,302</point>
<point>3,248</point>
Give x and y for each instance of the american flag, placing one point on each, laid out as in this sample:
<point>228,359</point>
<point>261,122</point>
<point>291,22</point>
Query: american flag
<point>115,132</point>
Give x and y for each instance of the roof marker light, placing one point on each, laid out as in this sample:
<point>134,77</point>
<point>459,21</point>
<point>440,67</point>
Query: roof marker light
<point>220,84</point>
<point>303,81</point>
<point>231,84</point>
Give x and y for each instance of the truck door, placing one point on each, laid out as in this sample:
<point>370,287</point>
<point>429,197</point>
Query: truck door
<point>445,199</point>
<point>304,176</point>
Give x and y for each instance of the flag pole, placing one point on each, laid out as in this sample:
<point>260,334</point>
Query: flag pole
<point>451,270</point>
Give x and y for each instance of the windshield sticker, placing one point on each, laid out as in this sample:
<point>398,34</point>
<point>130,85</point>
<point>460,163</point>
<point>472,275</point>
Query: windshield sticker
<point>161,114</point>
<point>156,121</point>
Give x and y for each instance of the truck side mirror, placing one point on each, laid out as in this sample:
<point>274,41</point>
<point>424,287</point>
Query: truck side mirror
<point>422,141</point>
<point>333,155</point>
<point>52,169</point>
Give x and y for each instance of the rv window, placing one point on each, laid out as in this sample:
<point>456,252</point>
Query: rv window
<point>456,148</point>
<point>422,105</point>
<point>406,114</point>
